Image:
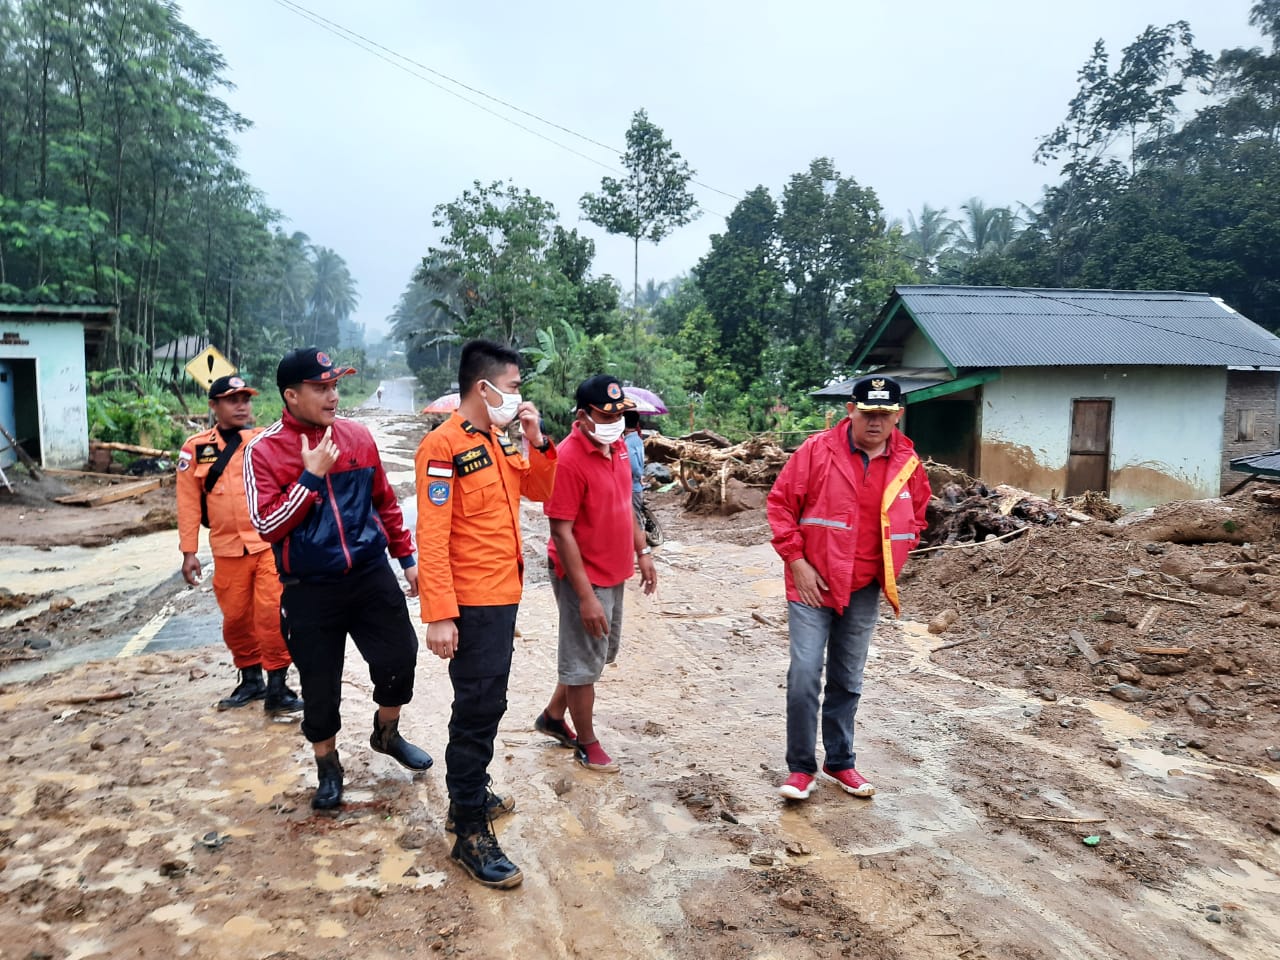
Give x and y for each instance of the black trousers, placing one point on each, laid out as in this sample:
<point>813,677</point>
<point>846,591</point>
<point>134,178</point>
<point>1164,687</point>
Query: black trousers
<point>316,618</point>
<point>479,672</point>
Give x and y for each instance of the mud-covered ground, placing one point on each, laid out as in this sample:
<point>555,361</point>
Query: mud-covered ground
<point>152,825</point>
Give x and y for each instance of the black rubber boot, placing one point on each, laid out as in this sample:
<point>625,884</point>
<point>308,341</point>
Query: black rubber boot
<point>280,699</point>
<point>249,688</point>
<point>495,806</point>
<point>329,792</point>
<point>477,851</point>
<point>386,739</point>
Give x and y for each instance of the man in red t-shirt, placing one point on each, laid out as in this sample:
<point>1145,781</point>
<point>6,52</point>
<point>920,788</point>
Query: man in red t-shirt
<point>594,536</point>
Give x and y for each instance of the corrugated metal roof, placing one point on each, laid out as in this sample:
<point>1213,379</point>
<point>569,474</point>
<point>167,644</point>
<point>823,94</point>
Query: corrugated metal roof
<point>908,380</point>
<point>1260,464</point>
<point>1031,327</point>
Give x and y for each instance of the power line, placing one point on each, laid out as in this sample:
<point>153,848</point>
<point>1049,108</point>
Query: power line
<point>384,53</point>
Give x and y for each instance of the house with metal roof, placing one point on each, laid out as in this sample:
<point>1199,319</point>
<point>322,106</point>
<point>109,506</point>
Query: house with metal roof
<point>1143,395</point>
<point>43,398</point>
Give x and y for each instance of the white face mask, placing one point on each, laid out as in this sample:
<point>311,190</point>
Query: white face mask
<point>608,433</point>
<point>505,412</point>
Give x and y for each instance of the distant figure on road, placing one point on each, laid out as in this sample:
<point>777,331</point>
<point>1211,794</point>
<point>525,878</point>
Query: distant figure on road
<point>845,511</point>
<point>379,395</point>
<point>210,490</point>
<point>470,477</point>
<point>318,493</point>
<point>596,543</point>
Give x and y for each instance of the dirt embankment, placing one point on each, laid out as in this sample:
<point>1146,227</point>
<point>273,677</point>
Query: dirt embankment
<point>1026,807</point>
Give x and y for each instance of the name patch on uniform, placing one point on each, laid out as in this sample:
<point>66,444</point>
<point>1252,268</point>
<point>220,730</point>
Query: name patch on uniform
<point>509,448</point>
<point>469,461</point>
<point>438,492</point>
<point>439,468</point>
<point>207,453</point>
<point>905,495</point>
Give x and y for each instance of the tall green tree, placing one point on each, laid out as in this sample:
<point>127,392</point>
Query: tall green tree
<point>652,201</point>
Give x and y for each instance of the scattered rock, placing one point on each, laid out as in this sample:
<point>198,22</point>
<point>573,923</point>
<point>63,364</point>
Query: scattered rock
<point>39,643</point>
<point>412,840</point>
<point>197,674</point>
<point>1128,693</point>
<point>1198,703</point>
<point>1112,761</point>
<point>1162,667</point>
<point>173,868</point>
<point>1113,616</point>
<point>58,604</point>
<point>943,621</point>
<point>1045,693</point>
<point>411,872</point>
<point>1273,754</point>
<point>1223,664</point>
<point>1128,673</point>
<point>561,786</point>
<point>1236,610</point>
<point>792,899</point>
<point>797,849</point>
<point>762,858</point>
<point>651,729</point>
<point>1222,584</point>
<point>728,817</point>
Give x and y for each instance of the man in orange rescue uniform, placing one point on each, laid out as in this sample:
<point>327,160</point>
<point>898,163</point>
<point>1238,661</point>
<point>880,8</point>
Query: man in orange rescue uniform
<point>210,489</point>
<point>845,511</point>
<point>470,477</point>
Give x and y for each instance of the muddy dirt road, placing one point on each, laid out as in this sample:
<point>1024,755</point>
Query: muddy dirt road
<point>151,825</point>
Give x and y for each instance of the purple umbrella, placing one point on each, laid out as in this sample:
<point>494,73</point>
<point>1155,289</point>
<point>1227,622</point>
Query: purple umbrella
<point>648,403</point>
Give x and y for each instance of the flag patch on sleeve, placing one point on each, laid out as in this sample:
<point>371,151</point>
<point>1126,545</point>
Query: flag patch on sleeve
<point>439,468</point>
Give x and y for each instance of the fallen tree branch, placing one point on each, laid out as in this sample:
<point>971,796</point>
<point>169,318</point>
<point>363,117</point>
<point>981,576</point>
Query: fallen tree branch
<point>1142,593</point>
<point>1027,816</point>
<point>94,697</point>
<point>978,543</point>
<point>953,643</point>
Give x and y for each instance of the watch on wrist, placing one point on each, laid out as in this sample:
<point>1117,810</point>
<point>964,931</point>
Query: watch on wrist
<point>544,446</point>
<point>645,552</point>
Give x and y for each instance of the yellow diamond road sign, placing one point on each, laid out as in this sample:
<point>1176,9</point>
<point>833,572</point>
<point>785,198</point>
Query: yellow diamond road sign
<point>208,365</point>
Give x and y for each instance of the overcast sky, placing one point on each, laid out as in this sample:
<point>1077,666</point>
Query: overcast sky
<point>925,102</point>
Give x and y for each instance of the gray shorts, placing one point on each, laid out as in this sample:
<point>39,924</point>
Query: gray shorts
<point>582,658</point>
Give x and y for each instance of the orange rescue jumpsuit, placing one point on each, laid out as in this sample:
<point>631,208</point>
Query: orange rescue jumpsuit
<point>245,582</point>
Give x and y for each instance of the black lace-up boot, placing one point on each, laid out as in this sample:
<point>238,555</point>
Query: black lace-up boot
<point>329,793</point>
<point>386,739</point>
<point>249,688</point>
<point>477,850</point>
<point>280,699</point>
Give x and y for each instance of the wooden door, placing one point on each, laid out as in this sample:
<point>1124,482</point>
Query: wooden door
<point>1089,461</point>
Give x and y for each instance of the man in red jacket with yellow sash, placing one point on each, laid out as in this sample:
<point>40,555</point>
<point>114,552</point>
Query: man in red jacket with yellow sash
<point>845,511</point>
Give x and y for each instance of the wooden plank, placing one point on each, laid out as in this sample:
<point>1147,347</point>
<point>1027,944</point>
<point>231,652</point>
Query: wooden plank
<point>1163,651</point>
<point>88,474</point>
<point>1142,593</point>
<point>33,468</point>
<point>128,448</point>
<point>122,491</point>
<point>1085,647</point>
<point>1148,620</point>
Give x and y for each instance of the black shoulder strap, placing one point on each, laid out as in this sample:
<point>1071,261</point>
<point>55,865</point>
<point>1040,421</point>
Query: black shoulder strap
<point>215,474</point>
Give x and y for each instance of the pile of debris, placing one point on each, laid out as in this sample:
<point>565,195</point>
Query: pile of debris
<point>719,476</point>
<point>965,510</point>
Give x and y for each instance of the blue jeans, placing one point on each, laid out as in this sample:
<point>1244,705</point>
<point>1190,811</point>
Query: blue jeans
<point>843,639</point>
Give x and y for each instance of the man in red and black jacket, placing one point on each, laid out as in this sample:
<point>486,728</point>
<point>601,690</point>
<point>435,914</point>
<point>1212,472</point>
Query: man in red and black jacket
<point>845,511</point>
<point>319,495</point>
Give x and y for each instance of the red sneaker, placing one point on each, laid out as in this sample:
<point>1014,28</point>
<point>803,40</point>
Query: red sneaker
<point>797,787</point>
<point>850,781</point>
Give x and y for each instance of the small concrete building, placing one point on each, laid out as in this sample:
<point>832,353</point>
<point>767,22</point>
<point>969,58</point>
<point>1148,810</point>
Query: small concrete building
<point>42,377</point>
<point>1145,396</point>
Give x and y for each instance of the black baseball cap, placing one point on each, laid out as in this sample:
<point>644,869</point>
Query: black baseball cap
<point>604,393</point>
<point>877,393</point>
<point>308,365</point>
<point>228,386</point>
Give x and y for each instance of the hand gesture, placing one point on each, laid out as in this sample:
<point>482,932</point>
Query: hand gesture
<point>808,582</point>
<point>593,618</point>
<point>648,574</point>
<point>530,422</point>
<point>442,638</point>
<point>319,460</point>
<point>191,571</point>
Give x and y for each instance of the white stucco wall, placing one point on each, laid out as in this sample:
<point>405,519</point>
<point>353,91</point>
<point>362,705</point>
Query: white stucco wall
<point>58,349</point>
<point>919,352</point>
<point>1166,429</point>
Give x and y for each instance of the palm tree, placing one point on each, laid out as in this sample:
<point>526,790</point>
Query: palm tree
<point>333,296</point>
<point>986,229</point>
<point>929,237</point>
